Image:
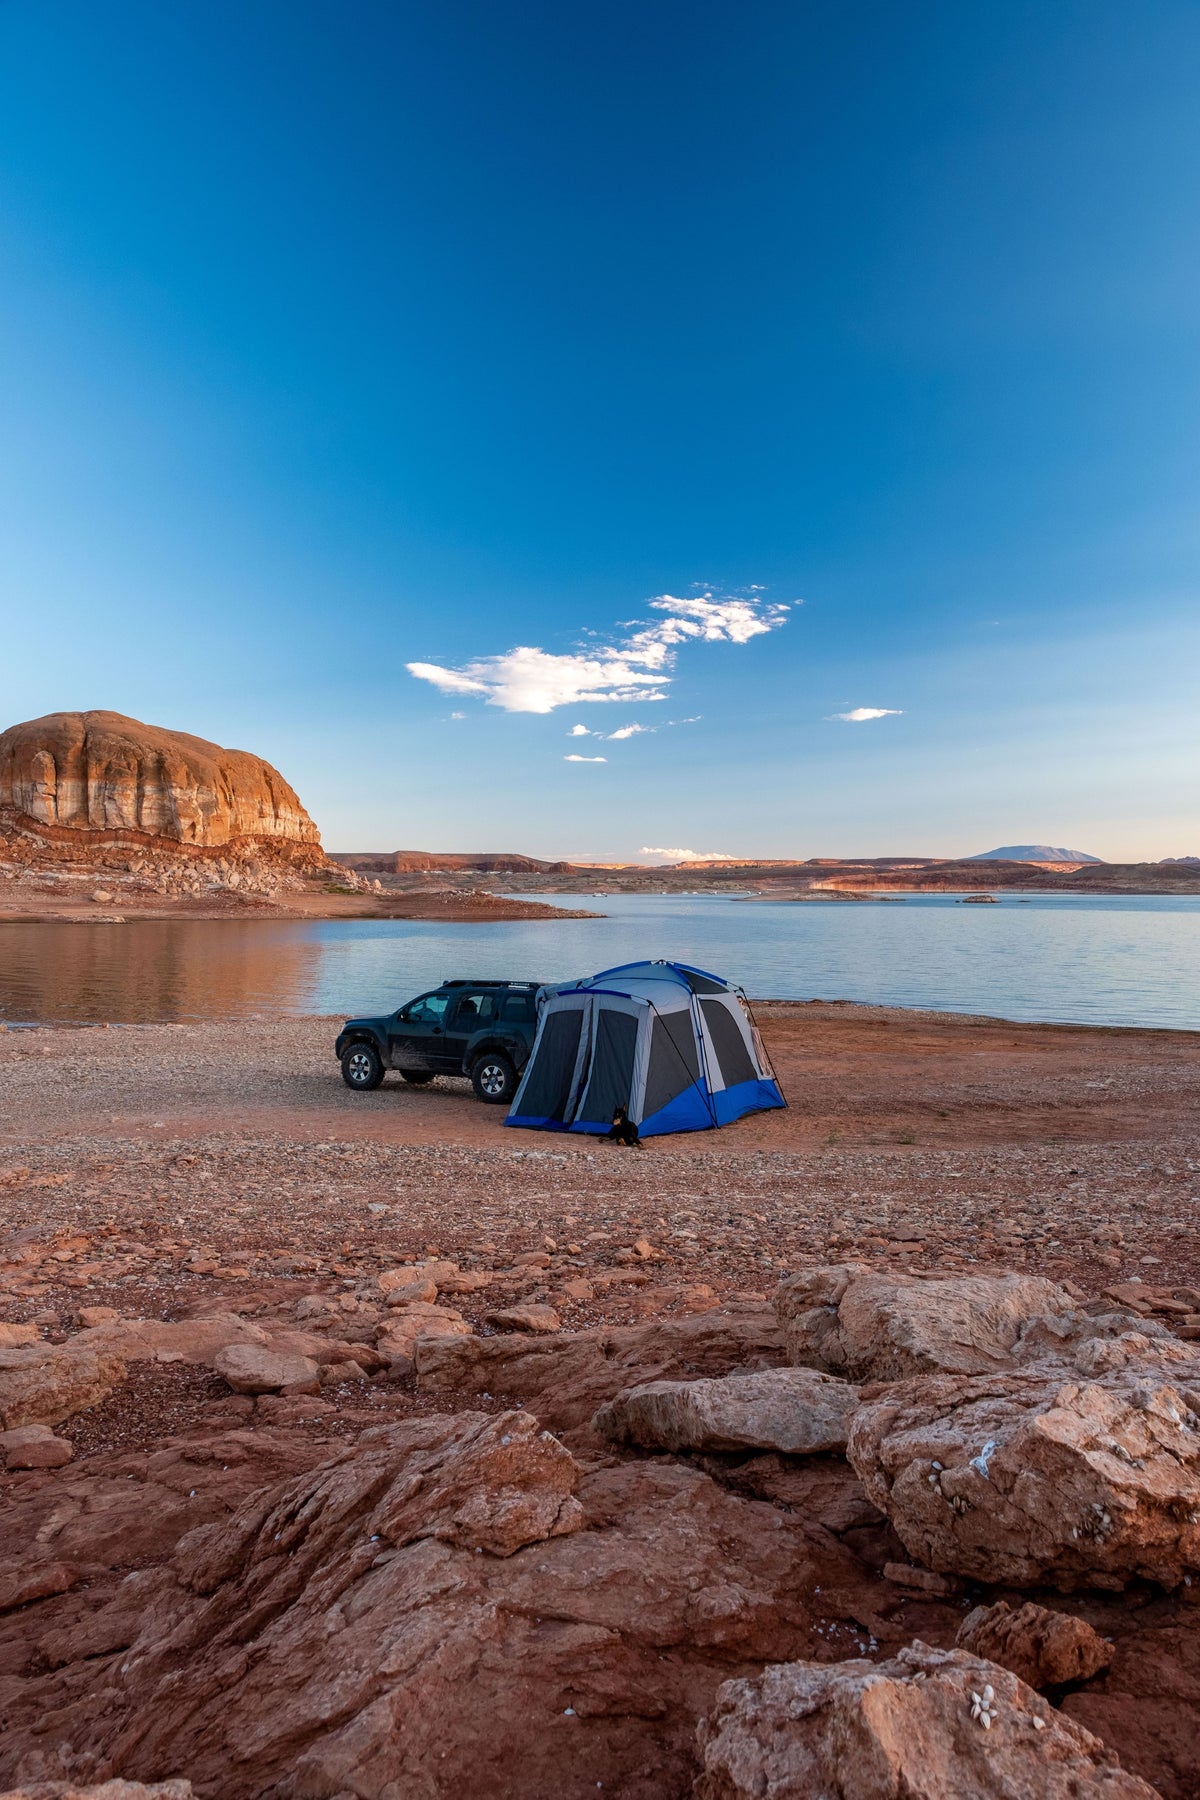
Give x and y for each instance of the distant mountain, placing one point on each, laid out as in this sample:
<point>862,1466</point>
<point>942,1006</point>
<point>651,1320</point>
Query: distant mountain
<point>1036,853</point>
<point>1179,859</point>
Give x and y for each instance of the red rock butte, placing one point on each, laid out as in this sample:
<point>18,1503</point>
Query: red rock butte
<point>102,774</point>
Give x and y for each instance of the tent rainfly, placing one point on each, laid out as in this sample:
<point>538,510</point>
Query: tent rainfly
<point>676,1046</point>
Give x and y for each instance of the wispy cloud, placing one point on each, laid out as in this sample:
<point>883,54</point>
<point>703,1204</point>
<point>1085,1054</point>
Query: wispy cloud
<point>862,713</point>
<point>585,759</point>
<point>678,855</point>
<point>633,668</point>
<point>627,731</point>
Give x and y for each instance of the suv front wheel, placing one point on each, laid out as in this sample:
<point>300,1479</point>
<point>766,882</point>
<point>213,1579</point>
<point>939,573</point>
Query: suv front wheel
<point>494,1078</point>
<point>362,1067</point>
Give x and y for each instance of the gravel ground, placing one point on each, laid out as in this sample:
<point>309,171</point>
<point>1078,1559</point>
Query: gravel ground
<point>207,1159</point>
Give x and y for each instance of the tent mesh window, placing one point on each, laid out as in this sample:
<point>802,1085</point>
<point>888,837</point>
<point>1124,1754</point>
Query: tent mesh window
<point>549,1089</point>
<point>612,1066</point>
<point>703,984</point>
<point>674,1065</point>
<point>729,1044</point>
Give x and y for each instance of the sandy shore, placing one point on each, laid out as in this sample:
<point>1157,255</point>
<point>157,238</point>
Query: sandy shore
<point>101,898</point>
<point>964,1140</point>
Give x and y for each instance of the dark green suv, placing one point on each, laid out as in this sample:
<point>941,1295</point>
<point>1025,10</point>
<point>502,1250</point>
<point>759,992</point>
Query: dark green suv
<point>482,1029</point>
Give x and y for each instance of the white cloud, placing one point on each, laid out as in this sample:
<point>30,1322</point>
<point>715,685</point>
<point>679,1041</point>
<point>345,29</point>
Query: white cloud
<point>579,731</point>
<point>688,855</point>
<point>636,668</point>
<point>585,759</point>
<point>627,731</point>
<point>861,713</point>
<point>458,715</point>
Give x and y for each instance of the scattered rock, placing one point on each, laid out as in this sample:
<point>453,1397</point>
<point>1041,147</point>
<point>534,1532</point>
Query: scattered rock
<point>922,1581</point>
<point>11,1335</point>
<point>96,1315</point>
<point>43,1384</point>
<point>573,1373</point>
<point>912,1728</point>
<point>34,1447</point>
<point>419,1322</point>
<point>1022,1479</point>
<point>251,1370</point>
<point>882,1326</point>
<point>525,1318</point>
<point>22,1584</point>
<point>797,1411</point>
<point>1045,1648</point>
<point>410,1293</point>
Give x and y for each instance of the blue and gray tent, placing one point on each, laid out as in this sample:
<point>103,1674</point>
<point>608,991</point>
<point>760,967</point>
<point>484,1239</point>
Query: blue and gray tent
<point>675,1046</point>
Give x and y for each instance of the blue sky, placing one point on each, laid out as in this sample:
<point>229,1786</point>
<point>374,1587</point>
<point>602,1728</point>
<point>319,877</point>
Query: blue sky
<point>339,339</point>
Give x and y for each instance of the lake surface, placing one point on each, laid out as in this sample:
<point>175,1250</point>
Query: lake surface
<point>1089,959</point>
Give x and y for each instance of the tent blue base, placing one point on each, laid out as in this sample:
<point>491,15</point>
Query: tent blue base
<point>747,1097</point>
<point>689,1111</point>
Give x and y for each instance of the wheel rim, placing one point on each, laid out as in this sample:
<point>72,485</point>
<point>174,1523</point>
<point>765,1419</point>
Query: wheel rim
<point>493,1078</point>
<point>360,1066</point>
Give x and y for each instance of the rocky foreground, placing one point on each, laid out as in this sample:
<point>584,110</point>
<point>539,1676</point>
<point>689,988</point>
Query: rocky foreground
<point>887,1535</point>
<point>380,1463</point>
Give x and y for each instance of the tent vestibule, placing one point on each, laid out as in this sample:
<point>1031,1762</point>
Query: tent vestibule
<point>674,1045</point>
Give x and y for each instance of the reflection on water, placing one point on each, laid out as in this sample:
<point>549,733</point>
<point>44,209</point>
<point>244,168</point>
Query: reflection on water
<point>1089,959</point>
<point>155,969</point>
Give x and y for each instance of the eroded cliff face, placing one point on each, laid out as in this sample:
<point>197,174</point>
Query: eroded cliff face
<point>101,773</point>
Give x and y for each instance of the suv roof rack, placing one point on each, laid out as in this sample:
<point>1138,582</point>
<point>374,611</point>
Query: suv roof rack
<point>491,982</point>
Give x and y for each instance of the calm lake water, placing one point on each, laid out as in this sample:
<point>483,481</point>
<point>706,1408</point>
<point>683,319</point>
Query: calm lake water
<point>1087,959</point>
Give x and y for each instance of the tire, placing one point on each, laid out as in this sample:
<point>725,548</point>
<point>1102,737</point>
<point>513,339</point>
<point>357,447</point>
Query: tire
<point>362,1067</point>
<point>416,1077</point>
<point>494,1078</point>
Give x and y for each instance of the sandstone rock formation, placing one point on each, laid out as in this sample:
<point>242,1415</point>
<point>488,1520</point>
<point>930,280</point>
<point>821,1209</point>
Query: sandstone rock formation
<point>906,1729</point>
<point>871,1325</point>
<point>249,1369</point>
<point>102,773</point>
<point>796,1411</point>
<point>1044,1648</point>
<point>1029,1478</point>
<point>104,1790</point>
<point>571,1374</point>
<point>450,1605</point>
<point>42,1384</point>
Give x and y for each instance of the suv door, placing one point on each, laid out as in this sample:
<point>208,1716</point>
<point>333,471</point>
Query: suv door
<point>417,1034</point>
<point>474,1012</point>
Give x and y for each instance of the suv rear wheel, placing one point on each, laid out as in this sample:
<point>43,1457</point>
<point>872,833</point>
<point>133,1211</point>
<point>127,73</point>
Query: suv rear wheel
<point>362,1067</point>
<point>494,1078</point>
<point>416,1077</point>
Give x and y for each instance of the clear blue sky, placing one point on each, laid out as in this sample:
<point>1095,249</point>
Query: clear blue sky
<point>339,338</point>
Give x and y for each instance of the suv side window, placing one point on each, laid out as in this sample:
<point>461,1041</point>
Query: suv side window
<point>474,1010</point>
<point>430,1009</point>
<point>519,1008</point>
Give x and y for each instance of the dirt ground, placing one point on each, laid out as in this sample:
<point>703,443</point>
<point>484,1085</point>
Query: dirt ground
<point>928,1136</point>
<point>177,1172</point>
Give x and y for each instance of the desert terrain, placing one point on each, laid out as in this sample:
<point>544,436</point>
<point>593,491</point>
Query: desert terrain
<point>252,1295</point>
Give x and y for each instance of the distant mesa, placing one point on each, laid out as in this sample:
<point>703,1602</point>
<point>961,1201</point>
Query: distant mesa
<point>1180,859</point>
<point>1033,853</point>
<point>413,862</point>
<point>99,777</point>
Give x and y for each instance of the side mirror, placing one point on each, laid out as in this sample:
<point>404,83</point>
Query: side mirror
<point>402,1016</point>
